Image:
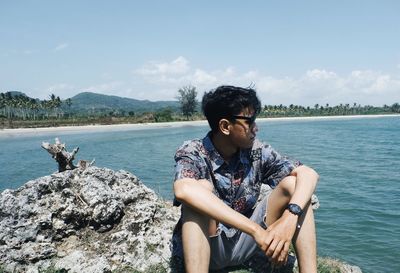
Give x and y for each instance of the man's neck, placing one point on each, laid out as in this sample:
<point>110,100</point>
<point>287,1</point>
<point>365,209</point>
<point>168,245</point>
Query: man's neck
<point>223,145</point>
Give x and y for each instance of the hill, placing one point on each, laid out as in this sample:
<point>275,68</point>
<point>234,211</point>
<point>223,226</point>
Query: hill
<point>87,101</point>
<point>15,94</point>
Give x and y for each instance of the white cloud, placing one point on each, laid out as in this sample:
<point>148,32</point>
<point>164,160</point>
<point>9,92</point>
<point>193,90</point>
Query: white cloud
<point>61,47</point>
<point>317,74</point>
<point>201,77</point>
<point>314,86</point>
<point>176,67</point>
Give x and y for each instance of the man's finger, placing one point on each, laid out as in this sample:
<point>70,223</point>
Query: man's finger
<point>277,251</point>
<point>283,256</point>
<point>271,248</point>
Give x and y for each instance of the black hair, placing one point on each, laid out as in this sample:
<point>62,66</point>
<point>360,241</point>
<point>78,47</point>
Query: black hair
<point>227,101</point>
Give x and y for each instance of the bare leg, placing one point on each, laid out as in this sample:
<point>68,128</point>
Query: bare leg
<point>196,229</point>
<point>304,240</point>
<point>196,248</point>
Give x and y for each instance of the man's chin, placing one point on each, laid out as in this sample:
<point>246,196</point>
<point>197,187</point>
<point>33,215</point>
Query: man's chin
<point>251,142</point>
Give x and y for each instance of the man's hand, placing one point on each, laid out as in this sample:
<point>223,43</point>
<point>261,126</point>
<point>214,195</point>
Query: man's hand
<point>276,239</point>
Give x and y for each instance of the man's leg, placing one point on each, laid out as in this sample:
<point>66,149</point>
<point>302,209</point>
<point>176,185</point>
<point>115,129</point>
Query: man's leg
<point>195,238</point>
<point>305,242</point>
<point>304,239</point>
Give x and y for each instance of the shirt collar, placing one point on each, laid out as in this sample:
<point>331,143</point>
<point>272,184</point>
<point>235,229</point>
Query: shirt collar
<point>215,158</point>
<point>243,155</point>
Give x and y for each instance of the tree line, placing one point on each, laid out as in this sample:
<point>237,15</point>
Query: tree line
<point>187,98</point>
<point>327,110</point>
<point>15,106</point>
<point>22,107</point>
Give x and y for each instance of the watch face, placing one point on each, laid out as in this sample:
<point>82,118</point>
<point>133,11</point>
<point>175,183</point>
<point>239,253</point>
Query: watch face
<point>295,209</point>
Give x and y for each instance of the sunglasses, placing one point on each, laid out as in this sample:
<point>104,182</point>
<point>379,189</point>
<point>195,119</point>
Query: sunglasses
<point>249,120</point>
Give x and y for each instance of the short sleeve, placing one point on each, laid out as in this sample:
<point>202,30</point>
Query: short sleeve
<point>275,166</point>
<point>185,167</point>
<point>188,164</point>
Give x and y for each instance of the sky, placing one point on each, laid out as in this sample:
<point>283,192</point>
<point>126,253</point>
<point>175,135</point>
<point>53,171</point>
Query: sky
<point>292,52</point>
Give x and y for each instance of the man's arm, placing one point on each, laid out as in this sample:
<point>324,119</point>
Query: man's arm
<point>281,232</point>
<point>276,239</point>
<point>306,183</point>
<point>195,195</point>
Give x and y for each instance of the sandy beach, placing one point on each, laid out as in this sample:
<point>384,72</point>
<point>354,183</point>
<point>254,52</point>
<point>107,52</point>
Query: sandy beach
<point>143,126</point>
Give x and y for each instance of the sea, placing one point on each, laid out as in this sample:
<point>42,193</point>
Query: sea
<point>358,160</point>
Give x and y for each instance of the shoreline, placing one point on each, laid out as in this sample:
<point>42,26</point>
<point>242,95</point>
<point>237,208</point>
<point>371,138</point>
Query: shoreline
<point>158,125</point>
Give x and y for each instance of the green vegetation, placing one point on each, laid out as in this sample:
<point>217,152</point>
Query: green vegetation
<point>328,265</point>
<point>20,111</point>
<point>324,265</point>
<point>157,268</point>
<point>187,99</point>
<point>327,110</point>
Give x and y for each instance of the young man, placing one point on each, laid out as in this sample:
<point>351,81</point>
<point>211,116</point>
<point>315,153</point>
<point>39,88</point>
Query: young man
<point>218,180</point>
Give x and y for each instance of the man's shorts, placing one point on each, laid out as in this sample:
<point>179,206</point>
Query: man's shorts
<point>231,247</point>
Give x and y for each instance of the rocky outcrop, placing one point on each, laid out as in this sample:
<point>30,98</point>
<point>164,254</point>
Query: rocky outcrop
<point>93,220</point>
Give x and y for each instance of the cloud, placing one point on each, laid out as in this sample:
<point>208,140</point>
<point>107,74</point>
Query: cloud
<point>160,81</point>
<point>317,74</point>
<point>176,67</point>
<point>316,85</point>
<point>201,77</point>
<point>61,47</point>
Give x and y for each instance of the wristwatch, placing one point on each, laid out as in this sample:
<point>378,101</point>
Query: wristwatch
<point>295,209</point>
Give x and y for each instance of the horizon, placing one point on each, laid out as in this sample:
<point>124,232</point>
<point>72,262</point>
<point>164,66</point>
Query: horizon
<point>300,53</point>
<point>199,102</point>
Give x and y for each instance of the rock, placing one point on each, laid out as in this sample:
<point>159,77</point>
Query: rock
<point>325,263</point>
<point>92,220</point>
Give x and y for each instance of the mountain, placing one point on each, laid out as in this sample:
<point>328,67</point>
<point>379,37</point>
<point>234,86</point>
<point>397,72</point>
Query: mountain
<point>88,101</point>
<point>15,93</point>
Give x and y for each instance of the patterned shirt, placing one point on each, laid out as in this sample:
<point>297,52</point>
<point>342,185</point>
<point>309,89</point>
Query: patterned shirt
<point>238,182</point>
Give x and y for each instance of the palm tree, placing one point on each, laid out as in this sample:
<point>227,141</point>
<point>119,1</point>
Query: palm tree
<point>8,104</point>
<point>395,107</point>
<point>45,105</point>
<point>58,105</point>
<point>3,103</point>
<point>53,104</point>
<point>34,106</point>
<point>68,102</point>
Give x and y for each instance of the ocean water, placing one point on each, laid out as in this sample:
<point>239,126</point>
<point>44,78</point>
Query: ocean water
<point>358,161</point>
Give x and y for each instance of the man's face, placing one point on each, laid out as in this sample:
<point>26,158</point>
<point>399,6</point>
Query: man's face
<point>244,128</point>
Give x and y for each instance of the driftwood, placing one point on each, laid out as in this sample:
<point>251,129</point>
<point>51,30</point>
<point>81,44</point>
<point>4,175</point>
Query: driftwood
<point>61,155</point>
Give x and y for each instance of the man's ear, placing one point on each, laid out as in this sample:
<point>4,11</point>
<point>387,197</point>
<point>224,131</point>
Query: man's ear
<point>225,126</point>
